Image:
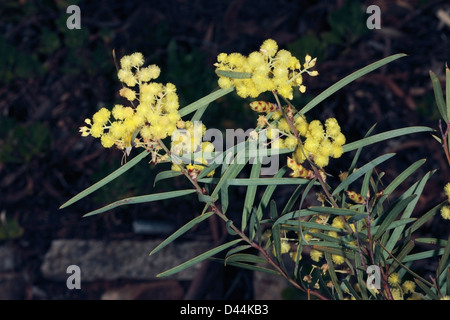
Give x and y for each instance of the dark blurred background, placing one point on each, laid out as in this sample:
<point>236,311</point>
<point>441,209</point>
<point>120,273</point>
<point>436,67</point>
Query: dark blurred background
<point>52,78</point>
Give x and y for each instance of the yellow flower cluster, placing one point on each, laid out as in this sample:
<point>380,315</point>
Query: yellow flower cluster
<point>154,117</point>
<point>290,244</point>
<point>445,211</point>
<point>319,143</point>
<point>187,143</point>
<point>400,290</point>
<point>269,69</point>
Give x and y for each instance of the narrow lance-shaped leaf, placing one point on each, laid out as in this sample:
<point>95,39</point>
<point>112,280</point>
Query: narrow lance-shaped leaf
<point>416,189</point>
<point>443,263</point>
<point>181,231</point>
<point>310,225</point>
<point>166,175</point>
<point>423,255</point>
<point>237,249</point>
<point>447,277</point>
<point>107,179</point>
<point>351,290</point>
<point>245,257</point>
<point>198,259</point>
<point>403,253</point>
<point>266,181</point>
<point>404,266</point>
<point>290,203</point>
<point>359,149</point>
<point>273,212</point>
<point>229,226</point>
<point>231,171</point>
<point>384,136</point>
<point>360,276</point>
<point>199,113</point>
<point>348,79</point>
<point>361,171</point>
<point>433,241</point>
<point>204,101</point>
<point>391,215</point>
<point>234,74</point>
<point>439,96</point>
<point>142,199</point>
<point>250,195</point>
<point>425,217</point>
<point>267,195</point>
<point>447,90</point>
<point>253,224</point>
<point>333,276</point>
<point>393,225</point>
<point>251,267</point>
<point>335,211</point>
<point>276,236</point>
<point>234,170</point>
<point>428,291</point>
<point>300,231</point>
<point>293,215</point>
<point>365,184</point>
<point>403,176</point>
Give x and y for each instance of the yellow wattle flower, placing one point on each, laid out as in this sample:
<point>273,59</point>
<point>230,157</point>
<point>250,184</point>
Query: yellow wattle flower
<point>270,69</point>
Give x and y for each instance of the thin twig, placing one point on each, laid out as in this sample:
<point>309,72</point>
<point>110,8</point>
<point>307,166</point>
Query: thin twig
<point>444,141</point>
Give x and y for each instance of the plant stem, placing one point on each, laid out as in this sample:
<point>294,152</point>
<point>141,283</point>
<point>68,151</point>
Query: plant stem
<point>369,234</point>
<point>445,142</point>
<point>386,285</point>
<point>316,172</point>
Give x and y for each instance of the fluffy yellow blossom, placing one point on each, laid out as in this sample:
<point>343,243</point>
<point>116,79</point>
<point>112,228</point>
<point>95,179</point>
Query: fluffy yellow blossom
<point>285,247</point>
<point>337,259</point>
<point>269,47</point>
<point>107,141</point>
<point>187,143</point>
<point>408,286</point>
<point>338,222</point>
<point>101,117</point>
<point>155,116</point>
<point>127,76</point>
<point>320,143</point>
<point>447,191</point>
<point>128,93</point>
<point>301,125</point>
<point>137,59</point>
<point>97,130</point>
<point>394,279</point>
<point>290,142</point>
<point>268,70</point>
<point>396,294</point>
<point>316,255</point>
<point>445,212</point>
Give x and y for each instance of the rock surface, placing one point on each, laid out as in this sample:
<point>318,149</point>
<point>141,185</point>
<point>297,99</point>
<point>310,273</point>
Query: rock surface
<point>124,259</point>
<point>9,259</point>
<point>13,283</point>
